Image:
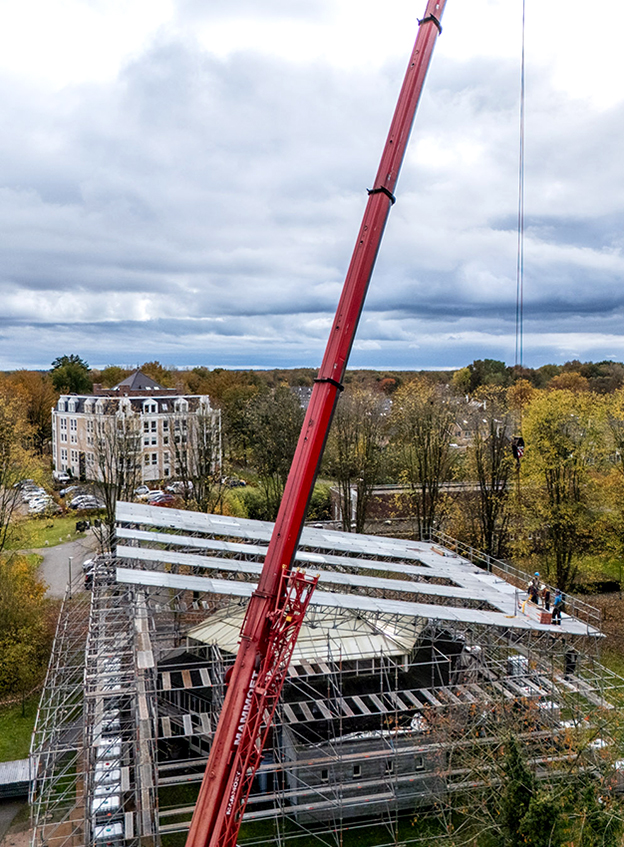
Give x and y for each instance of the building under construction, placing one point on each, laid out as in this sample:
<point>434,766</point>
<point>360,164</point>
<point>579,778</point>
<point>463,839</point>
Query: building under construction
<point>414,661</point>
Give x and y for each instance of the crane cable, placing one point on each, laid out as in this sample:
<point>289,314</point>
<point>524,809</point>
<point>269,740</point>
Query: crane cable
<point>520,255</point>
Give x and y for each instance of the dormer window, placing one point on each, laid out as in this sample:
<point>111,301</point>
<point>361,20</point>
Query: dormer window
<point>61,406</point>
<point>181,406</point>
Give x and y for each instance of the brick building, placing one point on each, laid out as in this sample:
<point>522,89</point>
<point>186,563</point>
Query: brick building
<point>159,428</point>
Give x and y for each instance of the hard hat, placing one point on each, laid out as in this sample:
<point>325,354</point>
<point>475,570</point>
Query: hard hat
<point>536,573</point>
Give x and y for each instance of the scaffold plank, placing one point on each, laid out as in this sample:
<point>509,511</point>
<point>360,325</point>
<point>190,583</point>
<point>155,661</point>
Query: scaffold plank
<point>380,705</point>
<point>292,717</point>
<point>361,705</point>
<point>430,697</point>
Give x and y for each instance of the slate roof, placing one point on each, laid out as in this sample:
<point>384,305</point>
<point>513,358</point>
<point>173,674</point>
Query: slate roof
<point>137,381</point>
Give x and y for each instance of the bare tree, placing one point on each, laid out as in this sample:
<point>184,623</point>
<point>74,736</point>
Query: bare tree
<point>196,444</point>
<point>117,463</point>
<point>354,453</point>
<point>422,419</point>
<point>490,462</point>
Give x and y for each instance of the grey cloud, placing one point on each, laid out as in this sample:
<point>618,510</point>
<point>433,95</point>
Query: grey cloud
<point>233,189</point>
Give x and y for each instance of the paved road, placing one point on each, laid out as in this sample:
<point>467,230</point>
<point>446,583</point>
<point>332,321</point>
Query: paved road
<point>55,566</point>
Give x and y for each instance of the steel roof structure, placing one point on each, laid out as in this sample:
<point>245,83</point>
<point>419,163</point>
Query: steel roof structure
<point>161,541</point>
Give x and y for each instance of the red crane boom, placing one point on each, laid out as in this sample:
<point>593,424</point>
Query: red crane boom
<point>277,607</point>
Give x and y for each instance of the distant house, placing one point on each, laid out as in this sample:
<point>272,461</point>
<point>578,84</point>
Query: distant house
<point>159,424</point>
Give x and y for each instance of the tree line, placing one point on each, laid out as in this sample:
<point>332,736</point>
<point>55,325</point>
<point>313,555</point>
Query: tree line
<point>420,432</point>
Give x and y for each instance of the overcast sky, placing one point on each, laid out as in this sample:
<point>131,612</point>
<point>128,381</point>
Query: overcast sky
<point>184,180</point>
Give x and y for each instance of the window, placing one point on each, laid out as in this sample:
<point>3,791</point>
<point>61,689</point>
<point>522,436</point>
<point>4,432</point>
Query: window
<point>145,426</point>
<point>154,425</point>
<point>165,425</point>
<point>166,458</point>
<point>146,441</point>
<point>166,471</point>
<point>357,771</point>
<point>61,405</point>
<point>154,458</point>
<point>324,775</point>
<point>165,439</point>
<point>146,459</point>
<point>154,439</point>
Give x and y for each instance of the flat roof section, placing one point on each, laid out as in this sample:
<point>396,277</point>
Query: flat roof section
<point>456,586</point>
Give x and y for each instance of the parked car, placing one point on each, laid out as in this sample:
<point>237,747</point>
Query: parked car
<point>153,495</point>
<point>141,491</point>
<point>163,500</point>
<point>23,483</point>
<point>233,482</point>
<point>30,493</point>
<point>180,486</point>
<point>61,477</point>
<point>86,502</point>
<point>39,505</point>
<point>88,567</point>
<point>65,491</point>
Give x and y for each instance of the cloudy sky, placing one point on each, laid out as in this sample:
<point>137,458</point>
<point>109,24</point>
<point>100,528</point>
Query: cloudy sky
<point>184,180</point>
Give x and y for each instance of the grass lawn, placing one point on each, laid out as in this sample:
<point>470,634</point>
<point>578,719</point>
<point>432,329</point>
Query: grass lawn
<point>35,532</point>
<point>15,730</point>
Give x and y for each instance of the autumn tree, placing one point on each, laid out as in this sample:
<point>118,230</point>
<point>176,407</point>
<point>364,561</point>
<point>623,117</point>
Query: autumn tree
<point>275,420</point>
<point>422,420</point>
<point>16,460</point>
<point>354,452</point>
<point>37,395</point>
<point>564,438</point>
<point>159,373</point>
<point>70,375</point>
<point>111,376</point>
<point>25,631</point>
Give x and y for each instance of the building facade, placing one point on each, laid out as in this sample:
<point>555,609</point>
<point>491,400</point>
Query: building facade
<point>158,431</point>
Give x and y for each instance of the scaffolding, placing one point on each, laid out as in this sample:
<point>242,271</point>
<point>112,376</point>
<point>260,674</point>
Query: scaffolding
<point>385,714</point>
<point>93,762</point>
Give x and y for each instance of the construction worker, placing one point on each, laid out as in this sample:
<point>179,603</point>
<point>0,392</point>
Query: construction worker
<point>534,589</point>
<point>557,607</point>
<point>545,593</point>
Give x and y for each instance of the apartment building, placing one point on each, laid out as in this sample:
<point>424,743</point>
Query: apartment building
<point>158,428</point>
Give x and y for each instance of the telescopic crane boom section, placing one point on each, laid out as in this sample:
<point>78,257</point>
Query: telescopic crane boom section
<point>277,607</point>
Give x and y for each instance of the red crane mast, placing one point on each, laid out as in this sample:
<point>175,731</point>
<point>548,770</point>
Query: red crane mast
<point>277,607</point>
